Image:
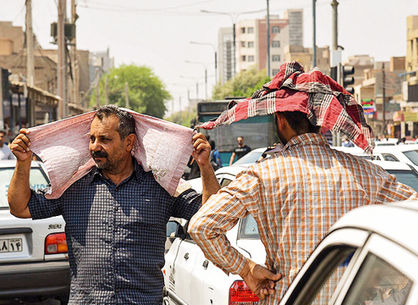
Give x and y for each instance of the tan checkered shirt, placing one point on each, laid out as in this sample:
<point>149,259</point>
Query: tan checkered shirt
<point>295,197</point>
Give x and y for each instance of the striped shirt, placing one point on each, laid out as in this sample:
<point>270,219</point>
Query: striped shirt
<point>295,197</point>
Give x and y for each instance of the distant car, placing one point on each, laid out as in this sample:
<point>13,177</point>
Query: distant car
<point>33,253</point>
<point>191,279</point>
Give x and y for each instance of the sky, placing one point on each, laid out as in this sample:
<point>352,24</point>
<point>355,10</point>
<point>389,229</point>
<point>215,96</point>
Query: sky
<point>158,33</point>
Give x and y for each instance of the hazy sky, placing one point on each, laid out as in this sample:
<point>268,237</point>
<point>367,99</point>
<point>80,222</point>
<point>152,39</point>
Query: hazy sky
<point>157,33</point>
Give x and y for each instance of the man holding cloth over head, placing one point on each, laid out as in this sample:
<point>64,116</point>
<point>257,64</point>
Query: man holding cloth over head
<point>114,196</point>
<point>296,195</point>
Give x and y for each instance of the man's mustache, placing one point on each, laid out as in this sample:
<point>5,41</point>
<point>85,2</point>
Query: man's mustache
<point>99,154</point>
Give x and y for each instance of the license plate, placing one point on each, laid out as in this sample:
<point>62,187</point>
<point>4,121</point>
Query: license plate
<point>11,245</point>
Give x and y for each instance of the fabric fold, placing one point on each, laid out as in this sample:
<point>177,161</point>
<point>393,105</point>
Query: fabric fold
<point>162,147</point>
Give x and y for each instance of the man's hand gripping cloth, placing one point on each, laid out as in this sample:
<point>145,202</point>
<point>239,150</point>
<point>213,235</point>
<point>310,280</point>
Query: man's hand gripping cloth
<point>162,147</point>
<point>326,103</point>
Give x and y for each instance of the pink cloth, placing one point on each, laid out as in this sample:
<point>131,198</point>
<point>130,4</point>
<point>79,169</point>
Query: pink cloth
<point>162,147</point>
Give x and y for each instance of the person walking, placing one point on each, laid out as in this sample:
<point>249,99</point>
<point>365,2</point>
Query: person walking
<point>115,215</point>
<point>296,195</point>
<point>215,157</point>
<point>241,150</point>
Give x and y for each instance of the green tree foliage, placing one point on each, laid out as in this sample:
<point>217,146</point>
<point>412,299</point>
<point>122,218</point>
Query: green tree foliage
<point>147,93</point>
<point>184,118</point>
<point>244,84</point>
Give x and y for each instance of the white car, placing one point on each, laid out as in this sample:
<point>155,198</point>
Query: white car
<point>33,253</point>
<point>191,279</point>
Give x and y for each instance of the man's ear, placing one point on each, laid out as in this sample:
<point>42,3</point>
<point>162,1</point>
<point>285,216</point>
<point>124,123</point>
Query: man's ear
<point>281,121</point>
<point>130,141</point>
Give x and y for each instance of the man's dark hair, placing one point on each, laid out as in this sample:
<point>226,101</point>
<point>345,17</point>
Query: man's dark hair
<point>3,131</point>
<point>126,120</point>
<point>212,144</point>
<point>299,122</point>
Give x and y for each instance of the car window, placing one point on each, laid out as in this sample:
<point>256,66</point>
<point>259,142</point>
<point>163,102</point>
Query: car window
<point>37,180</point>
<point>320,280</point>
<point>412,155</point>
<point>248,228</point>
<point>389,157</point>
<point>250,157</point>
<point>376,283</point>
<point>406,177</point>
<point>225,182</point>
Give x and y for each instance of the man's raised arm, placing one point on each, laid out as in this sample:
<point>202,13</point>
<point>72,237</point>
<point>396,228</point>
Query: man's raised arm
<point>19,190</point>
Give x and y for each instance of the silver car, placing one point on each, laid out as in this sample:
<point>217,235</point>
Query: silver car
<point>33,253</point>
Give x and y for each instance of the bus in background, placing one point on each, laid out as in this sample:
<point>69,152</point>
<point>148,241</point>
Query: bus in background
<point>257,131</point>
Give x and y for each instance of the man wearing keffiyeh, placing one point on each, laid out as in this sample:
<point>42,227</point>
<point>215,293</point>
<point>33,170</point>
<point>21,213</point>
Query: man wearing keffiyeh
<point>296,195</point>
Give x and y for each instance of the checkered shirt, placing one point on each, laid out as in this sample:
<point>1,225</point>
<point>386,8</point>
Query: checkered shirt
<point>116,235</point>
<point>295,197</point>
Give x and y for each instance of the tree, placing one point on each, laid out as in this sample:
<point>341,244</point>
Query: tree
<point>147,93</point>
<point>185,118</point>
<point>244,84</point>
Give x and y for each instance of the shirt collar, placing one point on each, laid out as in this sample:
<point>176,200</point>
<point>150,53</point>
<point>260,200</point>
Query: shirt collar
<point>306,139</point>
<point>95,172</point>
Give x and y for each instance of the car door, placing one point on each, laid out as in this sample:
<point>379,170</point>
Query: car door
<point>325,270</point>
<point>385,273</point>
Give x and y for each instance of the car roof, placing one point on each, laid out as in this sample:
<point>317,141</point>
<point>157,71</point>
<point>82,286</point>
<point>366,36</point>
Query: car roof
<point>391,165</point>
<point>396,148</point>
<point>396,221</point>
<point>234,169</point>
<point>12,163</point>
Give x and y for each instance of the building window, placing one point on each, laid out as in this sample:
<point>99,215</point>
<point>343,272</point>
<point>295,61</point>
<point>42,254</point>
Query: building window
<point>242,44</point>
<point>275,58</point>
<point>242,30</point>
<point>243,58</point>
<point>275,44</point>
<point>275,29</point>
<point>251,44</point>
<point>250,30</point>
<point>275,71</point>
<point>250,57</point>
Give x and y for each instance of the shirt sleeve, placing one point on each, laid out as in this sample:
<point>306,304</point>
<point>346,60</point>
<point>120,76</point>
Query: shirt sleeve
<point>187,204</point>
<point>40,207</point>
<point>220,214</point>
<point>393,190</point>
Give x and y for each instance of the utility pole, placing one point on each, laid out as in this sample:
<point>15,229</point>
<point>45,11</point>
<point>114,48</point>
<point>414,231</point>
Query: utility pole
<point>384,99</point>
<point>314,34</point>
<point>206,84</point>
<point>74,57</point>
<point>98,89</point>
<point>106,91</point>
<point>30,66</point>
<point>235,48</point>
<point>127,95</point>
<point>30,61</point>
<point>334,5</point>
<point>197,90</point>
<point>268,38</point>
<point>62,62</point>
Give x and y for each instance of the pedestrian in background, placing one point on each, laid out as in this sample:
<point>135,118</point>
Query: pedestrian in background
<point>297,194</point>
<point>5,152</point>
<point>241,150</point>
<point>115,215</point>
<point>215,157</point>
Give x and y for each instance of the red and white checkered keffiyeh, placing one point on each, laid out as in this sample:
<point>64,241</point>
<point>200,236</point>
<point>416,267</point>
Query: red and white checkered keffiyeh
<point>326,103</point>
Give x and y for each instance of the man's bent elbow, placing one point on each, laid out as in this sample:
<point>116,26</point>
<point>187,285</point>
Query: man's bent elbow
<point>195,228</point>
<point>20,213</point>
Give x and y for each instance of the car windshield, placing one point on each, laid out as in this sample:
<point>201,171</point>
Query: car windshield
<point>406,177</point>
<point>412,155</point>
<point>37,181</point>
<point>250,157</point>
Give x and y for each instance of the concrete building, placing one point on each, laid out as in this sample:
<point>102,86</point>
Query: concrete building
<point>304,57</point>
<point>251,43</point>
<point>411,61</point>
<point>225,54</point>
<point>295,18</point>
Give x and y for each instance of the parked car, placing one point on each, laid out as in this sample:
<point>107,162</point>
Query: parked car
<point>33,253</point>
<point>191,279</point>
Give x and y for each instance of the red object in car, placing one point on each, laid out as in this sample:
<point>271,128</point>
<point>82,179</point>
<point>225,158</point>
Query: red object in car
<point>240,294</point>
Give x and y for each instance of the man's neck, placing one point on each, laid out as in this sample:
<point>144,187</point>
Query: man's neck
<point>124,171</point>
